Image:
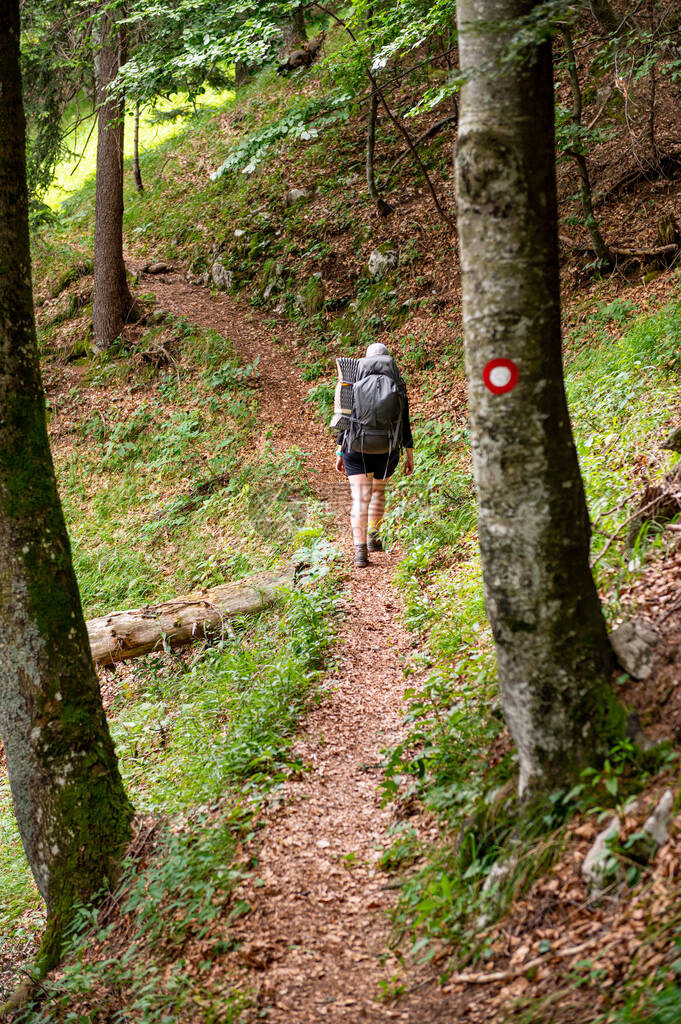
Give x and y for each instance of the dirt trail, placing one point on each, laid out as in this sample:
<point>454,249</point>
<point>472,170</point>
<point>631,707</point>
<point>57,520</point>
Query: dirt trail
<point>313,946</point>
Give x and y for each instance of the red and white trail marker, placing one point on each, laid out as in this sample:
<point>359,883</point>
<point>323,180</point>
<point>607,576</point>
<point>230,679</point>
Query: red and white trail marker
<point>500,376</point>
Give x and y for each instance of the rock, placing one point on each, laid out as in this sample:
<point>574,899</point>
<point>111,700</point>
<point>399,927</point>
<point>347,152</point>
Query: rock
<point>273,275</point>
<point>205,279</point>
<point>673,442</point>
<point>499,873</point>
<point>313,296</point>
<point>239,232</point>
<point>294,195</point>
<point>656,825</point>
<point>382,261</point>
<point>492,889</point>
<point>595,867</point>
<point>635,732</point>
<point>222,278</point>
<point>634,644</point>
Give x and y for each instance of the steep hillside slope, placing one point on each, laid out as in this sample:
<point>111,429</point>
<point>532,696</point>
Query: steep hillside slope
<point>194,452</point>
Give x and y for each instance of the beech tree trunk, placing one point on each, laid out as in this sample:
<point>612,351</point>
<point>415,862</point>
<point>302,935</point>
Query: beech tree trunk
<point>136,172</point>
<point>552,648</point>
<point>129,634</point>
<point>112,299</point>
<point>72,811</point>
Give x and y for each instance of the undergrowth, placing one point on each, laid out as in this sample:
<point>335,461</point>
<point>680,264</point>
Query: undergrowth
<point>163,493</point>
<point>169,482</point>
<point>622,382</point>
<point>203,743</point>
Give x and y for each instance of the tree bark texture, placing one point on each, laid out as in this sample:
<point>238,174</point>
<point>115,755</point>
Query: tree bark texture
<point>129,634</point>
<point>136,172</point>
<point>553,653</point>
<point>71,808</point>
<point>112,300</point>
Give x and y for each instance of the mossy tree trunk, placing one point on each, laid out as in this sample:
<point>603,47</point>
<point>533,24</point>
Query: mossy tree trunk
<point>73,814</point>
<point>136,172</point>
<point>552,648</point>
<point>113,302</point>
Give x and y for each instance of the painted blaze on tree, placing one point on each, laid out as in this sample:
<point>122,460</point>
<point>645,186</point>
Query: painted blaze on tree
<point>553,652</point>
<point>72,811</point>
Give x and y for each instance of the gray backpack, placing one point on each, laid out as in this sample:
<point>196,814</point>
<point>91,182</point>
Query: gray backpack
<point>378,399</point>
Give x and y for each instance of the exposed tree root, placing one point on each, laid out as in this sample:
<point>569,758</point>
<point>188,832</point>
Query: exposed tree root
<point>490,977</point>
<point>654,253</point>
<point>666,167</point>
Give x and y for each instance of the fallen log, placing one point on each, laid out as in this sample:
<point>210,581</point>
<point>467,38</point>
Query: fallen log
<point>659,250</point>
<point>129,634</point>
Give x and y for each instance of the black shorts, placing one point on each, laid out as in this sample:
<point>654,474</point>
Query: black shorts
<point>382,466</point>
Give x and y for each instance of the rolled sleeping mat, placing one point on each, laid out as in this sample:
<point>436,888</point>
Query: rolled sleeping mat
<point>348,370</point>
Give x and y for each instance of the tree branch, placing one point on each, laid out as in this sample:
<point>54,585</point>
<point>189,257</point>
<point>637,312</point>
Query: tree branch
<point>400,127</point>
<point>433,130</point>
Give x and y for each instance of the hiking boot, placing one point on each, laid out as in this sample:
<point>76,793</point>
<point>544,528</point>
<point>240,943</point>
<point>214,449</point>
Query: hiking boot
<point>374,542</point>
<point>361,559</point>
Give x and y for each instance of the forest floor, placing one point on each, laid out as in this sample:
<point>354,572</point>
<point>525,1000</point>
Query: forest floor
<point>316,943</point>
<point>320,940</point>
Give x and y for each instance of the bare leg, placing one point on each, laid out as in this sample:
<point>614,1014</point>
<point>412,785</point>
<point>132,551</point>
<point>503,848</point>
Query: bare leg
<point>377,505</point>
<point>360,486</point>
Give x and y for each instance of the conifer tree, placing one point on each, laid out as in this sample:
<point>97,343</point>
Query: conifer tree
<point>113,304</point>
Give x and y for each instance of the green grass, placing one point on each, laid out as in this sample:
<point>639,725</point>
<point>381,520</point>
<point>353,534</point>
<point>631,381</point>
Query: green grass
<point>202,744</point>
<point>168,496</point>
<point>622,382</point>
<point>622,387</point>
<point>165,488</point>
<point>157,127</point>
<point>186,732</point>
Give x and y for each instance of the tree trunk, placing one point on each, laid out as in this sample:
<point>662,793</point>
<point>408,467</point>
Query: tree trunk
<point>380,203</point>
<point>599,246</point>
<point>72,811</point>
<point>242,74</point>
<point>122,635</point>
<point>294,32</point>
<point>136,173</point>
<point>552,648</point>
<point>112,300</point>
<point>606,17</point>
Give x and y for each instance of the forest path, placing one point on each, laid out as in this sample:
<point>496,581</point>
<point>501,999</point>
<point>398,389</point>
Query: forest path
<point>314,946</point>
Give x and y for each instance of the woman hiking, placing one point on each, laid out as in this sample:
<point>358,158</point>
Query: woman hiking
<point>369,448</point>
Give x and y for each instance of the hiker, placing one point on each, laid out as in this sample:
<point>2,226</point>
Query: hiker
<point>369,447</point>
